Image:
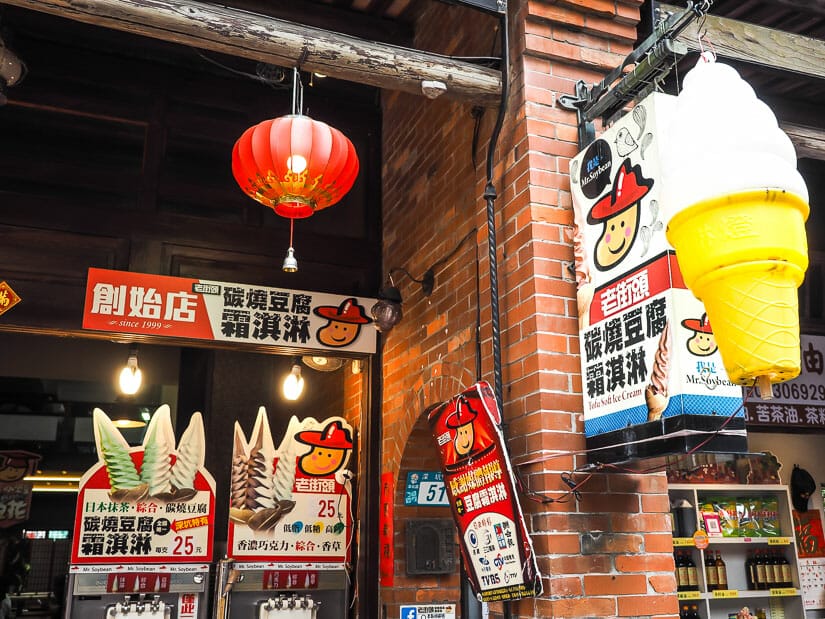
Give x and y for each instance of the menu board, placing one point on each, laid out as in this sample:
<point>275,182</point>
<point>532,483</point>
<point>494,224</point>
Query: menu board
<point>148,504</point>
<point>292,503</point>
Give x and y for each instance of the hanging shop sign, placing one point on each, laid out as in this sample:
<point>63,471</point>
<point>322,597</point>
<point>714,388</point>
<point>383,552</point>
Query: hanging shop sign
<point>654,382</point>
<point>293,503</point>
<point>15,491</point>
<point>8,298</point>
<point>497,550</point>
<point>148,504</point>
<point>166,306</point>
<point>797,403</point>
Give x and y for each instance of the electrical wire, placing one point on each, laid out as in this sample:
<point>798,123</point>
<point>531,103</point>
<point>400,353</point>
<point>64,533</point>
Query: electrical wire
<point>574,487</point>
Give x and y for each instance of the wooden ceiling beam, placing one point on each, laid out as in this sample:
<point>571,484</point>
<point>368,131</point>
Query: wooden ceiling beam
<point>737,40</point>
<point>282,43</point>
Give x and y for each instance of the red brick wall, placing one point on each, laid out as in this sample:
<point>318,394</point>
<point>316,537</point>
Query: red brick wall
<point>608,554</point>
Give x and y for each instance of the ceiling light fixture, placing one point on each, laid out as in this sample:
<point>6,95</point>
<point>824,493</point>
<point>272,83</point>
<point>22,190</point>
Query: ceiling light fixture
<point>130,376</point>
<point>321,363</point>
<point>294,165</point>
<point>293,383</point>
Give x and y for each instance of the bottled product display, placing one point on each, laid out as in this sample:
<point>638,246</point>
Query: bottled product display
<point>687,576</point>
<point>746,558</point>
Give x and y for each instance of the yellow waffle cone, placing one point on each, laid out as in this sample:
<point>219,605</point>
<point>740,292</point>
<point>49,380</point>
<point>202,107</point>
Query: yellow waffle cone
<point>754,312</point>
<point>744,255</point>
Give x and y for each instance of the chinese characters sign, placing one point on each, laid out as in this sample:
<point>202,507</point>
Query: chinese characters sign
<point>425,488</point>
<point>386,532</point>
<point>15,492</point>
<point>152,504</point>
<point>496,547</point>
<point>291,503</point>
<point>647,348</point>
<point>128,302</point>
<point>797,403</point>
<point>8,298</point>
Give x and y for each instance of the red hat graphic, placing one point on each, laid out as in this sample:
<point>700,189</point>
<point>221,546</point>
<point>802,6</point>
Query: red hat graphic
<point>333,436</point>
<point>629,187</point>
<point>349,311</point>
<point>462,415</point>
<point>702,325</point>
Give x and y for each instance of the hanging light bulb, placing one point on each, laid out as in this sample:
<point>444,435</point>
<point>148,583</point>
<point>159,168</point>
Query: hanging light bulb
<point>293,383</point>
<point>130,376</point>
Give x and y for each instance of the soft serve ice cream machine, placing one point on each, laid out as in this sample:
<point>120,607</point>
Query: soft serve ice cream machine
<point>280,591</point>
<point>144,526</point>
<point>290,523</point>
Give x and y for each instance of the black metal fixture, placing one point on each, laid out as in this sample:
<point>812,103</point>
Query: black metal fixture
<point>653,59</point>
<point>387,311</point>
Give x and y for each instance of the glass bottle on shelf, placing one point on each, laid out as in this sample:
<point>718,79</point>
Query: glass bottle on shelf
<point>681,573</point>
<point>787,575</point>
<point>711,575</point>
<point>776,562</point>
<point>750,570</point>
<point>694,612</point>
<point>770,574</point>
<point>692,573</point>
<point>721,572</point>
<point>761,575</point>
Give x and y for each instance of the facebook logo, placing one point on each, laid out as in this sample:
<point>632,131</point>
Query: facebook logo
<point>409,612</point>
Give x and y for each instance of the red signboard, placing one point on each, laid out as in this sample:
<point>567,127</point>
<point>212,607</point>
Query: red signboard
<point>126,302</point>
<point>386,560</point>
<point>495,544</point>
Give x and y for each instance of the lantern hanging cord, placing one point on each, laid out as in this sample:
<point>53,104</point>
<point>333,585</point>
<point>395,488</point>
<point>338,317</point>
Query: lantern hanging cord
<point>297,92</point>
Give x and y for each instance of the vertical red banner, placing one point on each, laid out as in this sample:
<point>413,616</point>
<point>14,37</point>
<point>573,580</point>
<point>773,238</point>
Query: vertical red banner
<point>498,554</point>
<point>385,536</point>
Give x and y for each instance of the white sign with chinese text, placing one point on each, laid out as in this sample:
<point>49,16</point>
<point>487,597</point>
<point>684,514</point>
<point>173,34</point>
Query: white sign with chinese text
<point>126,302</point>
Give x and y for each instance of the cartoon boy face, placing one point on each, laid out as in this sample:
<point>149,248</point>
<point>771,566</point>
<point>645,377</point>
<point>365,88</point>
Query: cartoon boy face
<point>464,439</point>
<point>702,344</point>
<point>617,237</point>
<point>329,449</point>
<point>618,212</point>
<point>344,323</point>
<point>338,334</point>
<point>321,461</point>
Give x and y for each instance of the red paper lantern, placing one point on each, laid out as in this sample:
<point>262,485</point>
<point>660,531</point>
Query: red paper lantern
<point>294,165</point>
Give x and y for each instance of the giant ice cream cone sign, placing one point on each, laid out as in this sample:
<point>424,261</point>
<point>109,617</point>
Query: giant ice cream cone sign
<point>738,208</point>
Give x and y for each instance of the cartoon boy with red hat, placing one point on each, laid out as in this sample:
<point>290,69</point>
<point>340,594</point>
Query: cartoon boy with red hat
<point>344,323</point>
<point>701,343</point>
<point>329,449</point>
<point>618,210</point>
<point>461,420</point>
